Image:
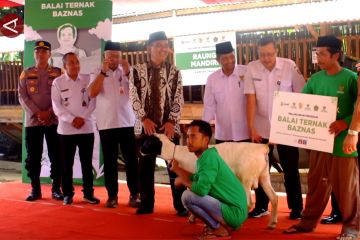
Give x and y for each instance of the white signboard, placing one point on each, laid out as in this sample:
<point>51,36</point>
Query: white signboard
<point>303,120</point>
<point>195,55</point>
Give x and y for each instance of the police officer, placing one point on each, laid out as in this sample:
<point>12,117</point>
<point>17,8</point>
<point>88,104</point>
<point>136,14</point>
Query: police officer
<point>224,98</point>
<point>263,77</point>
<point>115,120</point>
<point>74,108</point>
<point>40,120</point>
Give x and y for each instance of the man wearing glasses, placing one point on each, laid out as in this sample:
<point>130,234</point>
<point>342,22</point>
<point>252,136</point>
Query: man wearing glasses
<point>262,78</point>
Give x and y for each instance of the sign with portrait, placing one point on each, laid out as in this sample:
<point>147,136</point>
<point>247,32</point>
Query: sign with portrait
<point>303,120</point>
<point>195,55</point>
<point>81,27</point>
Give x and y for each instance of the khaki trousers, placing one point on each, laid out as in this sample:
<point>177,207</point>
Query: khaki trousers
<point>340,174</point>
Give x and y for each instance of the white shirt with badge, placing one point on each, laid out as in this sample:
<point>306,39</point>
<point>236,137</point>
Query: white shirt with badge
<point>113,109</point>
<point>263,83</point>
<point>70,99</point>
<point>225,102</point>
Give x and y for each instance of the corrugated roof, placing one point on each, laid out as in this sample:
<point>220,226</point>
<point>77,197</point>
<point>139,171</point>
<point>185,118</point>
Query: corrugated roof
<point>242,20</point>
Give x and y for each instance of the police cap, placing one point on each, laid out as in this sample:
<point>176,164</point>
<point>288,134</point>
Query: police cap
<point>42,45</point>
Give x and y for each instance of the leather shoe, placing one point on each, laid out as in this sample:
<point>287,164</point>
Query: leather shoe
<point>57,195</point>
<point>332,219</point>
<point>144,211</point>
<point>33,196</point>
<point>295,215</point>
<point>68,200</point>
<point>182,213</point>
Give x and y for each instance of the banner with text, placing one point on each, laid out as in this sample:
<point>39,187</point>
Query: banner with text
<point>81,27</point>
<point>303,120</point>
<point>195,55</point>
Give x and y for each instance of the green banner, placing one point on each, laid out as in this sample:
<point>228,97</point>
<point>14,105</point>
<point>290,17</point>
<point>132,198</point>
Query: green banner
<point>196,60</point>
<point>77,26</point>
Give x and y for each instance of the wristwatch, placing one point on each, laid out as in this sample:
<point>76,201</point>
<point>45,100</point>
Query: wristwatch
<point>353,132</point>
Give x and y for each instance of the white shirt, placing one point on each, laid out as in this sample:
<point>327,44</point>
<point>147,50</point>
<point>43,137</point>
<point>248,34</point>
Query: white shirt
<point>70,99</point>
<point>113,109</point>
<point>225,102</point>
<point>285,76</point>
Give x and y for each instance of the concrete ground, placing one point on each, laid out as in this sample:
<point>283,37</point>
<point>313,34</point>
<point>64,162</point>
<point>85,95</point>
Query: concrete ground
<point>11,171</point>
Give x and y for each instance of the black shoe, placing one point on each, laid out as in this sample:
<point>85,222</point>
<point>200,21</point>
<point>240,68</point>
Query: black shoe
<point>134,201</point>
<point>112,202</point>
<point>332,219</point>
<point>144,211</point>
<point>256,213</point>
<point>57,195</point>
<point>182,213</point>
<point>68,200</point>
<point>34,195</point>
<point>91,199</point>
<point>295,215</point>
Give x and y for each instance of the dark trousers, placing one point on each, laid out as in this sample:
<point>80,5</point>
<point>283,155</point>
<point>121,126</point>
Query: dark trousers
<point>289,160</point>
<point>110,140</point>
<point>34,140</point>
<point>68,144</point>
<point>146,177</point>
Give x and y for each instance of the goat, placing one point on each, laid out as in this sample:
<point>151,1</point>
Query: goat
<point>249,162</point>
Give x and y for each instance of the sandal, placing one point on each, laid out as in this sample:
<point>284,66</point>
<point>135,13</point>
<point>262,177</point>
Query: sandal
<point>295,229</point>
<point>346,236</point>
<point>220,233</point>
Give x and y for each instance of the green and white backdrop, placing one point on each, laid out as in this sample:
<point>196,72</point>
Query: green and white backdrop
<point>93,21</point>
<point>195,55</point>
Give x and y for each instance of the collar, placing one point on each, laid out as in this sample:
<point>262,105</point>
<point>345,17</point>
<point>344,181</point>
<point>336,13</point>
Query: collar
<point>278,65</point>
<point>69,79</point>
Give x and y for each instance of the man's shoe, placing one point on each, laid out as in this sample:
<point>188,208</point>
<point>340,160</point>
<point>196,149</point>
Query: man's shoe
<point>295,215</point>
<point>134,201</point>
<point>332,219</point>
<point>34,196</point>
<point>182,213</point>
<point>112,202</point>
<point>256,213</point>
<point>91,199</point>
<point>57,195</point>
<point>68,200</point>
<point>144,211</point>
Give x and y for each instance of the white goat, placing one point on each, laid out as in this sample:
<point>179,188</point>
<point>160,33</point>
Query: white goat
<point>249,161</point>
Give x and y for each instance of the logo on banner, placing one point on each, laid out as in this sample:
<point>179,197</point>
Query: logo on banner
<point>12,25</point>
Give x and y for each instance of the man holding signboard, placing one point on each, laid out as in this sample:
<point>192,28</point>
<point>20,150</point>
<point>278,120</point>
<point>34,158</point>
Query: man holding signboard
<point>337,171</point>
<point>264,77</point>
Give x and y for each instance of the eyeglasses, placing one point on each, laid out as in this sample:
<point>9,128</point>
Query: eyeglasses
<point>161,45</point>
<point>267,54</point>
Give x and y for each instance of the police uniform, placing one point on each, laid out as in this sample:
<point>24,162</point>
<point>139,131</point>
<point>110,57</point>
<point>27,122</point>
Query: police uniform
<point>260,81</point>
<point>34,96</point>
<point>225,102</point>
<point>115,121</point>
<point>70,99</point>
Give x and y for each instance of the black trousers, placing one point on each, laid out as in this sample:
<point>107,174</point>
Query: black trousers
<point>289,161</point>
<point>34,140</point>
<point>110,140</point>
<point>68,144</point>
<point>146,177</point>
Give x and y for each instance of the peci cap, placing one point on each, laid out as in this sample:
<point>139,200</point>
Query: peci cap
<point>156,36</point>
<point>223,48</point>
<point>329,41</point>
<point>42,45</point>
<point>113,46</point>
